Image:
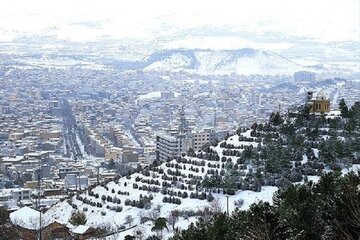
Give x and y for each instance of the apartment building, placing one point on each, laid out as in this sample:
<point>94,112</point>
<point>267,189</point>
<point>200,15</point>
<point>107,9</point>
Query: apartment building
<point>200,138</point>
<point>167,147</point>
<point>15,194</point>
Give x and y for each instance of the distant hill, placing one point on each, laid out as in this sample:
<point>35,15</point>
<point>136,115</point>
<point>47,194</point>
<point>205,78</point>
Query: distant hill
<point>244,61</point>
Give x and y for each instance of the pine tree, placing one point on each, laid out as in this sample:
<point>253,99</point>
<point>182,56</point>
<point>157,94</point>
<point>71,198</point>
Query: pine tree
<point>129,237</point>
<point>159,226</point>
<point>277,119</point>
<point>343,108</point>
<point>4,215</point>
<point>77,218</point>
<point>210,197</point>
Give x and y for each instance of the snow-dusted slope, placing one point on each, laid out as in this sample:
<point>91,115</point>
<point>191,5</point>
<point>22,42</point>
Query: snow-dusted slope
<point>243,61</point>
<point>174,185</point>
<point>175,62</point>
<point>110,204</point>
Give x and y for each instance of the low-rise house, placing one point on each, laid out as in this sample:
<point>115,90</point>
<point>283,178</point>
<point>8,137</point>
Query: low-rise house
<point>83,232</point>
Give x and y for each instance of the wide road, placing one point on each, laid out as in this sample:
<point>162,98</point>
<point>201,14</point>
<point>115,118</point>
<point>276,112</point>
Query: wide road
<point>72,149</point>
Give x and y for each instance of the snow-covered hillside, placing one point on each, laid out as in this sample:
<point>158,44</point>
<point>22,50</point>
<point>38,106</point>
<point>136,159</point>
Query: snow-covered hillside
<point>243,61</point>
<point>175,62</point>
<point>232,169</point>
<point>140,194</point>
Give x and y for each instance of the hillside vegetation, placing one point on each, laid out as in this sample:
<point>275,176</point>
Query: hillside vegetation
<point>248,167</point>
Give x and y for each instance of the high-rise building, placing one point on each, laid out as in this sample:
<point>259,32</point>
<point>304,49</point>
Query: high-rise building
<point>174,142</point>
<point>170,145</point>
<point>167,147</point>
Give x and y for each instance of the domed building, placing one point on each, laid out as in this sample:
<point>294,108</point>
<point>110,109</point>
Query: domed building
<point>318,103</point>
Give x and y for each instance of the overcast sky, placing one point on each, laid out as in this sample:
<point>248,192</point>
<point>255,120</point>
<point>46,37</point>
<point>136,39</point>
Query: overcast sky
<point>88,20</point>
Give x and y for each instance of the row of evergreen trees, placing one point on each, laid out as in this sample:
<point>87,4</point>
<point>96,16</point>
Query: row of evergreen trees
<point>329,209</point>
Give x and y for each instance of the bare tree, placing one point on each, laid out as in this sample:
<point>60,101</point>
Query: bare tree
<point>215,206</point>
<point>142,217</point>
<point>173,218</point>
<point>34,223</point>
<point>154,214</point>
<point>239,203</point>
<point>18,222</point>
<point>104,229</point>
<point>139,233</point>
<point>158,208</point>
<point>129,220</point>
<point>206,214</point>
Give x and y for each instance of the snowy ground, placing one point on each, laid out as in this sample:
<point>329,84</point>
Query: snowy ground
<point>100,216</point>
<point>105,215</point>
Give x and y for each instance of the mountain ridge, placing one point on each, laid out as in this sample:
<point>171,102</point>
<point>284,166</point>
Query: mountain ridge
<point>244,61</point>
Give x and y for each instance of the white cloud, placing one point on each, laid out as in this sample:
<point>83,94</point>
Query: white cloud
<point>218,43</point>
<point>326,20</point>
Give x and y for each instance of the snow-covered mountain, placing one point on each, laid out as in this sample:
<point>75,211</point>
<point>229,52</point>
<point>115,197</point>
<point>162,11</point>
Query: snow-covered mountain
<point>242,61</point>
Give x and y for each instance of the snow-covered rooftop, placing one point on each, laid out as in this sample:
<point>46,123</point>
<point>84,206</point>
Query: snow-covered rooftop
<point>81,229</point>
<point>26,217</point>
